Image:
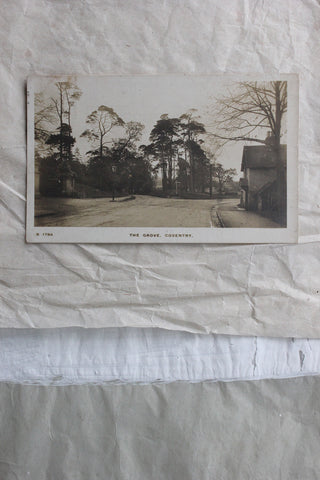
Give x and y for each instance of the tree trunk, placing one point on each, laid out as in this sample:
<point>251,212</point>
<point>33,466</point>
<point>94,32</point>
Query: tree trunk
<point>69,132</point>
<point>164,173</point>
<point>101,147</point>
<point>280,170</point>
<point>191,171</point>
<point>170,166</point>
<point>61,122</point>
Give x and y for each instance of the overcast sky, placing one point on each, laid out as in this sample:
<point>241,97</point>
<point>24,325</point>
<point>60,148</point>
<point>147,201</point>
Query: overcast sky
<point>144,99</point>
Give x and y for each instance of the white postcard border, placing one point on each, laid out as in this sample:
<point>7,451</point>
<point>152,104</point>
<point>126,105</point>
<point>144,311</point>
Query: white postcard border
<point>175,235</point>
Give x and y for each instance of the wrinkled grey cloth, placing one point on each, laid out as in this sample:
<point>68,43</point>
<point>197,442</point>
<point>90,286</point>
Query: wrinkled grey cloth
<point>261,430</point>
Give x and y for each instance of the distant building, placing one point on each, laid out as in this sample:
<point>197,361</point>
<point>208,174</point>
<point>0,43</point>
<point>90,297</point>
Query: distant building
<point>50,182</point>
<point>263,186</point>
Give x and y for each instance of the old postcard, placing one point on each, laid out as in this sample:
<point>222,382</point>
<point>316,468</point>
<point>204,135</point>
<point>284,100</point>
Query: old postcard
<point>162,158</point>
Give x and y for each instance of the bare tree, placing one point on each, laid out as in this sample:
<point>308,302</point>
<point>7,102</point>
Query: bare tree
<point>72,93</point>
<point>133,131</point>
<point>253,106</point>
<point>212,149</point>
<point>101,122</point>
<point>223,176</point>
<point>68,93</point>
<point>247,112</point>
<point>44,117</point>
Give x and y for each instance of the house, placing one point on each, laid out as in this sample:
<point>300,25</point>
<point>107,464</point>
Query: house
<point>50,181</point>
<point>263,186</point>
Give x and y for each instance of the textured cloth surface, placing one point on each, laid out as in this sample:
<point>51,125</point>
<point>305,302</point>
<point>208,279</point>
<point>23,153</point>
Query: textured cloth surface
<point>263,430</point>
<point>79,356</point>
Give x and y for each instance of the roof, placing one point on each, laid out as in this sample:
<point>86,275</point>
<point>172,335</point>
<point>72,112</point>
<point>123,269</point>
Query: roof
<point>261,156</point>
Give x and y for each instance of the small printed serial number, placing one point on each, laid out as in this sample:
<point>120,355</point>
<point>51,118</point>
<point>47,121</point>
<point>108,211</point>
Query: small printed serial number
<point>46,234</point>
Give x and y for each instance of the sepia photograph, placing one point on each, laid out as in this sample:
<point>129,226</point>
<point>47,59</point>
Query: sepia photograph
<point>162,158</point>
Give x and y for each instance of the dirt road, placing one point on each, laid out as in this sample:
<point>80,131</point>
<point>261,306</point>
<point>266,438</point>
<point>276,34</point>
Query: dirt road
<point>231,216</point>
<point>147,211</point>
<point>143,211</point>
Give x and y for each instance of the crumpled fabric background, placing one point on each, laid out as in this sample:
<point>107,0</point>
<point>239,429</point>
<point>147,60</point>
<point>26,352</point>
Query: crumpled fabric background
<point>247,430</point>
<point>249,290</point>
<point>265,429</point>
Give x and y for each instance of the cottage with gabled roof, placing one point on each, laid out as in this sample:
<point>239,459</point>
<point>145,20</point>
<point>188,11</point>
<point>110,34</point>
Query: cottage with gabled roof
<point>261,177</point>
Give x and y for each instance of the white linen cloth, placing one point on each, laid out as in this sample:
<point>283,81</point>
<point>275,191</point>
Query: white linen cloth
<point>135,355</point>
